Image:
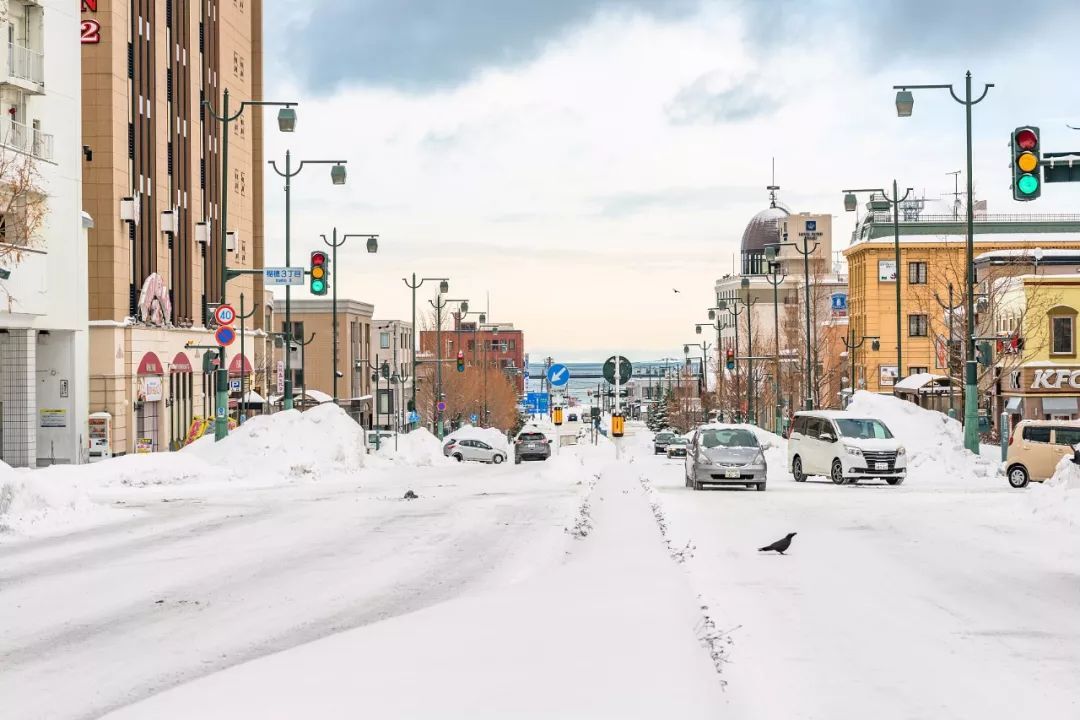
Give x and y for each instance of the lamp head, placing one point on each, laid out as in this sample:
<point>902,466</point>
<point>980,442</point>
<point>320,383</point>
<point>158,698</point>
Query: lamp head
<point>712,314</point>
<point>697,329</point>
<point>286,119</point>
<point>373,244</point>
<point>905,101</point>
<point>722,304</point>
<point>850,202</point>
<point>444,286</point>
<point>745,283</point>
<point>337,174</point>
<point>464,306</point>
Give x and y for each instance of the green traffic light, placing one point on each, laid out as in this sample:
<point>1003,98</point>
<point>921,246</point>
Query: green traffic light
<point>318,286</point>
<point>1028,184</point>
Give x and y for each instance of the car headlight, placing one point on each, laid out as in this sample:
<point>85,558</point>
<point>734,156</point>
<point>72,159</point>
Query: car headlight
<point>901,451</point>
<point>760,459</point>
<point>853,451</point>
<point>703,459</point>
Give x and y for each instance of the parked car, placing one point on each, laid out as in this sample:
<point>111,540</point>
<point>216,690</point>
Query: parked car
<point>476,450</point>
<point>1036,447</point>
<point>677,447</point>
<point>720,455</point>
<point>844,447</point>
<point>531,445</point>
<point>660,442</point>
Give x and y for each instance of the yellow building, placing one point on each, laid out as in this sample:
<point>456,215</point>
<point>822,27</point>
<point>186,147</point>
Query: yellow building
<point>932,258</point>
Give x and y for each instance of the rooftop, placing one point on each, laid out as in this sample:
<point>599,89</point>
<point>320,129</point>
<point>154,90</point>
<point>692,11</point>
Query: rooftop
<point>932,218</point>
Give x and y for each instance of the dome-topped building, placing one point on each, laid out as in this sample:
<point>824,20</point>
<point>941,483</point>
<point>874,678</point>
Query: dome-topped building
<point>763,229</point>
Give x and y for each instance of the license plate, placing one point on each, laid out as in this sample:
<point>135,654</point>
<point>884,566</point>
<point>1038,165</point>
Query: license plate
<point>881,466</point>
<point>732,474</point>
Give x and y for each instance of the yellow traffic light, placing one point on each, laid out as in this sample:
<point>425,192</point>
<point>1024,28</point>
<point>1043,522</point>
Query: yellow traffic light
<point>617,425</point>
<point>557,416</point>
<point>1027,162</point>
<point>317,272</point>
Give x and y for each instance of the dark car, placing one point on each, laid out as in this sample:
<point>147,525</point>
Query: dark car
<point>660,442</point>
<point>572,417</point>
<point>531,445</point>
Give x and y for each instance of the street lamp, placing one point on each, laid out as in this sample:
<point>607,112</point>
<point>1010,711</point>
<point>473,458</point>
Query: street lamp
<point>289,174</point>
<point>904,103</point>
<point>748,304</point>
<point>771,251</point>
<point>286,123</point>
<point>894,201</point>
<point>775,278</point>
<point>851,347</point>
<point>444,287</point>
<point>372,247</point>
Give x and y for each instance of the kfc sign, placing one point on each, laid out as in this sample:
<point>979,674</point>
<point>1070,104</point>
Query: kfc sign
<point>1054,379</point>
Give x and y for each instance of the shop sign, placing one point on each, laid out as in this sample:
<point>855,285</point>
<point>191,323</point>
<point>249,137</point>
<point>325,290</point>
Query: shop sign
<point>53,418</point>
<point>90,31</point>
<point>886,270</point>
<point>144,446</point>
<point>839,305</point>
<point>1054,379</point>
<point>888,374</point>
<point>150,389</point>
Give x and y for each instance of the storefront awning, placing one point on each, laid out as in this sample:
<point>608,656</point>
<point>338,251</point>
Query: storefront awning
<point>1013,406</point>
<point>1060,406</point>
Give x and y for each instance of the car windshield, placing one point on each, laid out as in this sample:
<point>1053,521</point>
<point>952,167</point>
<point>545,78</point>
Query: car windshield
<point>664,436</point>
<point>864,429</point>
<point>678,441</point>
<point>531,436</point>
<point>734,437</point>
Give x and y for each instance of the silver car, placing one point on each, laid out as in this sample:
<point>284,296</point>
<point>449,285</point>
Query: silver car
<point>477,450</point>
<point>720,455</point>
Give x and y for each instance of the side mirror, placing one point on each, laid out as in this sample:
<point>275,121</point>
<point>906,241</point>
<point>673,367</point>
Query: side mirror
<point>828,437</point>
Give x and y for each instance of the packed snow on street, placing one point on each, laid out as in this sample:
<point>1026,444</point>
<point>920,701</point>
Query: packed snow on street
<point>283,573</point>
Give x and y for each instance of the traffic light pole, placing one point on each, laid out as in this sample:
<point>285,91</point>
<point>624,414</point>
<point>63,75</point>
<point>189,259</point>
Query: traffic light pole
<point>439,304</point>
<point>971,390</point>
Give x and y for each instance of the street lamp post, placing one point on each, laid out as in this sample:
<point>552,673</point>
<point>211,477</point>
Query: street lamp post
<point>722,305</point>
<point>851,346</point>
<point>951,307</point>
<point>775,278</point>
<point>438,304</point>
<point>444,286</point>
<point>806,252</point>
<point>904,104</point>
<point>337,176</point>
<point>372,247</point>
<point>286,123</point>
<point>748,305</point>
<point>894,201</point>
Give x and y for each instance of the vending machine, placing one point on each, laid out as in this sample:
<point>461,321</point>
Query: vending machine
<point>100,436</point>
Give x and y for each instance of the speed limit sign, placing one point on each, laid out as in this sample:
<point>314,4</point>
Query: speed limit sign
<point>225,314</point>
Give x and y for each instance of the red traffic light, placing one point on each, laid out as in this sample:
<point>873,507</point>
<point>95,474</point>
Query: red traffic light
<point>318,258</point>
<point>1026,139</point>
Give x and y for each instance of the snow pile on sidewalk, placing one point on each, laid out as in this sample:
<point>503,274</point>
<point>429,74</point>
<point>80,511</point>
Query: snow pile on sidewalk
<point>321,441</point>
<point>1058,498</point>
<point>934,441</point>
<point>39,502</point>
<point>418,448</point>
<point>492,436</point>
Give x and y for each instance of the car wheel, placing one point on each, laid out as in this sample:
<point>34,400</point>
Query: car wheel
<point>894,480</point>
<point>838,472</point>
<point>761,487</point>
<point>457,456</point>
<point>497,459</point>
<point>796,469</point>
<point>1018,476</point>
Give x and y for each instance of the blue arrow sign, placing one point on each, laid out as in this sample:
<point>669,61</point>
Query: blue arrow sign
<point>473,417</point>
<point>558,375</point>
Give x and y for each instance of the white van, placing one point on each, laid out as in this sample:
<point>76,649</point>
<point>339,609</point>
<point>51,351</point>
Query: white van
<point>844,447</point>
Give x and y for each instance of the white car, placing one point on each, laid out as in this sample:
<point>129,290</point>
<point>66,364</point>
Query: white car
<point>844,447</point>
<point>477,450</point>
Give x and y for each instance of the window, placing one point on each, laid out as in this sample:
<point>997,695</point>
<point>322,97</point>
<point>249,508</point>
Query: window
<point>472,345</point>
<point>1061,330</point>
<point>384,340</point>
<point>917,370</point>
<point>1037,434</point>
<point>917,326</point>
<point>1066,436</point>
<point>916,273</point>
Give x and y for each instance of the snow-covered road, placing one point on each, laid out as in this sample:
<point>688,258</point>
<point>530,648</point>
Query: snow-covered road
<point>98,619</point>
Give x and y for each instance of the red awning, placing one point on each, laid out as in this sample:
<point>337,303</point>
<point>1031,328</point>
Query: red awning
<point>238,362</point>
<point>150,365</point>
<point>181,364</point>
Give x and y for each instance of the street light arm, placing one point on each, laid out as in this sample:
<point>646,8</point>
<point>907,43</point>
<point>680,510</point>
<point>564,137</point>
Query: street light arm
<point>923,87</point>
<point>222,118</point>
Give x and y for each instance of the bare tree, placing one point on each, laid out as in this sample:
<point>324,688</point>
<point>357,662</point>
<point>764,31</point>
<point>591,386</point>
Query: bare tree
<point>23,206</point>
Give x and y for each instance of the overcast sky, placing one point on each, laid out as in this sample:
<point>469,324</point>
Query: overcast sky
<point>578,160</point>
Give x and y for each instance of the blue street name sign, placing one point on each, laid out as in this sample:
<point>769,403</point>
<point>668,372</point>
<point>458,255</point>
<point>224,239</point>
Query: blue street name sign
<point>536,403</point>
<point>558,375</point>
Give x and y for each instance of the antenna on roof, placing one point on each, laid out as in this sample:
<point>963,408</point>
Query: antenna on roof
<point>955,193</point>
<point>773,187</point>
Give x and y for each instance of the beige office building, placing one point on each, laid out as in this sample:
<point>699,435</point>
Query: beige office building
<point>153,186</point>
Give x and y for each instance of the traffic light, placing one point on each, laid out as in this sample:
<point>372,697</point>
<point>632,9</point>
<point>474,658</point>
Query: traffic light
<point>983,352</point>
<point>729,359</point>
<point>1026,163</point>
<point>320,272</point>
<point>460,361</point>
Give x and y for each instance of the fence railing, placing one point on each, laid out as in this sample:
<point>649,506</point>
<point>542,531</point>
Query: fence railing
<point>26,139</point>
<point>26,64</point>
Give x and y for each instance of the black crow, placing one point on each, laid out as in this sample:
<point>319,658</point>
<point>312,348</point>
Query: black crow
<point>780,545</point>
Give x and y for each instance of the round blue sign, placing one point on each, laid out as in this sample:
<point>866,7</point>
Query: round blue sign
<point>473,417</point>
<point>558,375</point>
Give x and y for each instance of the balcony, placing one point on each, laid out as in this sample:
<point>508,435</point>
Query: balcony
<point>26,139</point>
<point>25,68</point>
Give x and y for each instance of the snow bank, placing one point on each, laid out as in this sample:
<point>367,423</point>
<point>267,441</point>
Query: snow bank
<point>418,448</point>
<point>321,441</point>
<point>492,436</point>
<point>36,502</point>
<point>1058,498</point>
<point>934,441</point>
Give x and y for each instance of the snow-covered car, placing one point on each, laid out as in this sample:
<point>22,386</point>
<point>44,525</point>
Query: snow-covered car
<point>845,448</point>
<point>677,447</point>
<point>660,442</point>
<point>531,445</point>
<point>477,450</point>
<point>725,455</point>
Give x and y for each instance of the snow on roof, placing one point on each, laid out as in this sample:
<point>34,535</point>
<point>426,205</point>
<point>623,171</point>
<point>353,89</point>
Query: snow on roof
<point>918,381</point>
<point>1027,254</point>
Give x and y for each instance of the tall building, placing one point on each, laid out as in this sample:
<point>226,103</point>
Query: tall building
<point>312,365</point>
<point>43,255</point>
<point>393,345</point>
<point>154,188</point>
<point>933,259</point>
